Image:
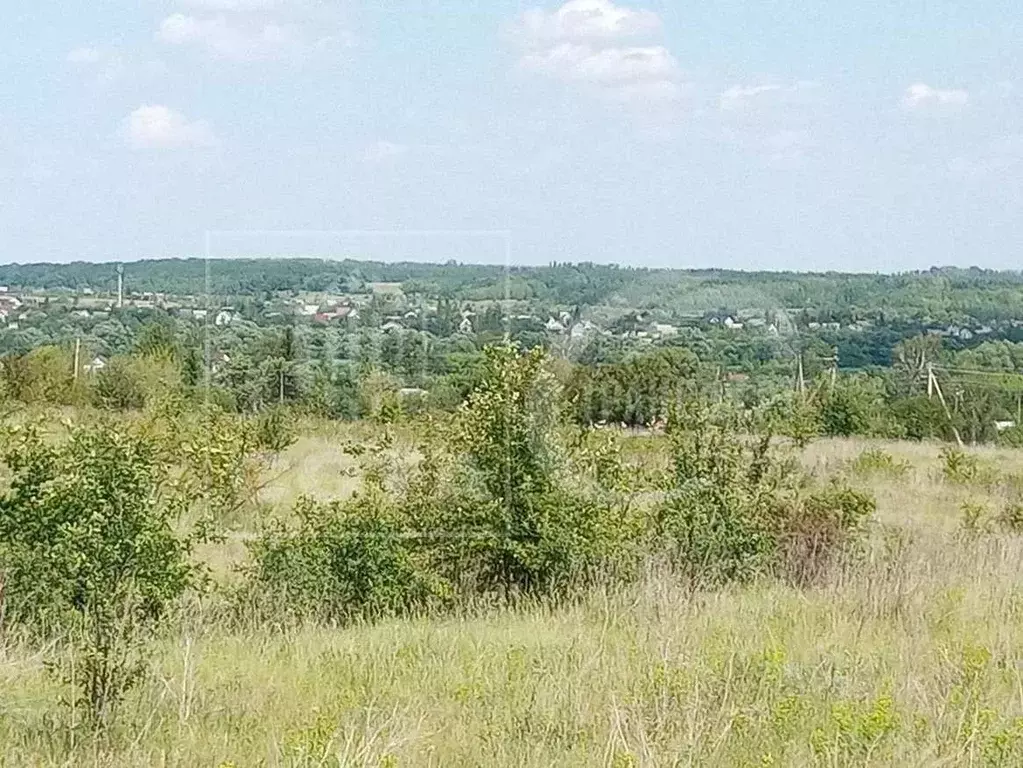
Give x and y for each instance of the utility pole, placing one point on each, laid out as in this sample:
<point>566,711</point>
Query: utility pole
<point>800,381</point>
<point>120,286</point>
<point>934,388</point>
<point>78,357</point>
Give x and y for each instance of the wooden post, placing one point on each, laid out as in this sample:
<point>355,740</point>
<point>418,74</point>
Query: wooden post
<point>930,381</point>
<point>948,413</point>
<point>78,357</point>
<point>800,382</point>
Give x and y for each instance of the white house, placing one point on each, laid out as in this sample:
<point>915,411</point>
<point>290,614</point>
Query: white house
<point>581,330</point>
<point>554,326</point>
<point>224,317</point>
<point>465,326</point>
<point>97,365</point>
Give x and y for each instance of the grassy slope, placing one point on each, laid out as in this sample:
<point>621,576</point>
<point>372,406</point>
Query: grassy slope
<point>913,659</point>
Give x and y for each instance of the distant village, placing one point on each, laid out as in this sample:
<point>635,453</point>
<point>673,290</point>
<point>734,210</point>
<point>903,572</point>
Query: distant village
<point>387,308</point>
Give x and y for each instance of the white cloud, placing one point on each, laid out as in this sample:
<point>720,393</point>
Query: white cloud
<point>920,96</point>
<point>233,5</point>
<point>85,56</point>
<point>159,127</point>
<point>232,40</point>
<point>741,98</point>
<point>646,94</point>
<point>738,96</point>
<point>604,67</point>
<point>383,151</point>
<point>582,44</point>
<point>584,21</point>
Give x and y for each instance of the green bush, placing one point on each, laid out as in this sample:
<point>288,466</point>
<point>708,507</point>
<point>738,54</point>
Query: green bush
<point>341,561</point>
<point>921,417</point>
<point>792,415</point>
<point>875,461</point>
<point>1011,438</point>
<point>819,528</point>
<point>119,386</point>
<point>43,376</point>
<point>90,550</point>
<point>130,383</point>
<point>958,466</point>
<point>274,429</point>
<point>735,509</point>
<point>533,528</point>
<point>721,494</point>
<point>499,503</point>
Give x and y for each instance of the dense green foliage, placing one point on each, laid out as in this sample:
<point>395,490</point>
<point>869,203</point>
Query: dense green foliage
<point>88,546</point>
<point>350,339</point>
<point>509,499</point>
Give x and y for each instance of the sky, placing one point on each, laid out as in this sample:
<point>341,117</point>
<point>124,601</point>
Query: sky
<point>883,135</point>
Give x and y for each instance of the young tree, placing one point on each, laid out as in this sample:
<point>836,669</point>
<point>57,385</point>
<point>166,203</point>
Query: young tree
<point>89,545</point>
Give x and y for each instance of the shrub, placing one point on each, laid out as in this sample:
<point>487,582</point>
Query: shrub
<point>735,509</point>
<point>342,560</point>
<point>819,528</point>
<point>721,492</point>
<point>532,528</point>
<point>1011,437</point>
<point>958,466</point>
<point>1010,519</point>
<point>130,382</point>
<point>220,456</point>
<point>875,461</point>
<point>43,376</point>
<point>274,430</point>
<point>792,415</point>
<point>88,544</point>
<point>920,417</point>
<point>119,386</point>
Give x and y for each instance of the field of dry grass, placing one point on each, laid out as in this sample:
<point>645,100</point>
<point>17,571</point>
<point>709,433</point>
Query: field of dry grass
<point>912,655</point>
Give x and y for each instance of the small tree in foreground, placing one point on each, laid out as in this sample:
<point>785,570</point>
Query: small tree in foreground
<point>88,544</point>
<point>528,523</point>
<point>734,508</point>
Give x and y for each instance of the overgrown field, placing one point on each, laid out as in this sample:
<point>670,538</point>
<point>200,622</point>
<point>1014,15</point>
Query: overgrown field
<point>384,599</point>
<point>913,655</point>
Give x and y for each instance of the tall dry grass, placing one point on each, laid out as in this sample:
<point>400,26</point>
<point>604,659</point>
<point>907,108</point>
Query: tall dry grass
<point>910,654</point>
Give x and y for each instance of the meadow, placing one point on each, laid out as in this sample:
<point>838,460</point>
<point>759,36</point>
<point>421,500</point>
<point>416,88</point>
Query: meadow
<point>909,653</point>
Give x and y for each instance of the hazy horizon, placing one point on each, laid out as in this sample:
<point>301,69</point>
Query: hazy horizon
<point>439,263</point>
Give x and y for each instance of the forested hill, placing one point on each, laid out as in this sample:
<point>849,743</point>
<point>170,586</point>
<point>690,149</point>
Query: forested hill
<point>940,295</point>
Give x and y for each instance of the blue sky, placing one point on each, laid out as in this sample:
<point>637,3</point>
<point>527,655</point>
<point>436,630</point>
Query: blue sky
<point>806,134</point>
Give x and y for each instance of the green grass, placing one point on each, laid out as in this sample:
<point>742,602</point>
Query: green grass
<point>912,655</point>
